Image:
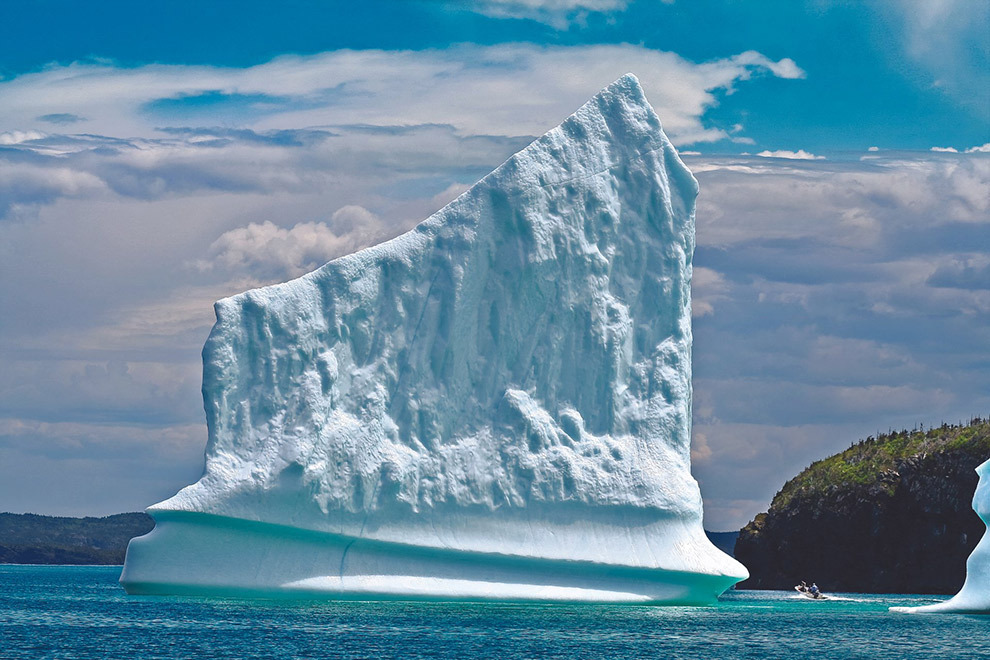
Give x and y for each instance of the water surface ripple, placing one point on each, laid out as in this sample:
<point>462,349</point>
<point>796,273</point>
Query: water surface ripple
<point>70,612</point>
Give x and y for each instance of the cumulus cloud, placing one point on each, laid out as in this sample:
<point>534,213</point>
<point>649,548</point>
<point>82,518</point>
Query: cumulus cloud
<point>315,121</point>
<point>891,202</point>
<point>785,68</point>
<point>831,297</point>
<point>982,149</point>
<point>707,287</point>
<point>818,284</point>
<point>207,161</point>
<point>800,154</point>
<point>535,87</point>
<point>27,184</point>
<point>700,451</point>
<point>271,252</point>
<point>17,137</point>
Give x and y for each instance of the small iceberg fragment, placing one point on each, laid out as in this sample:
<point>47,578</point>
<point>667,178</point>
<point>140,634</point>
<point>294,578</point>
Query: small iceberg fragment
<point>974,597</point>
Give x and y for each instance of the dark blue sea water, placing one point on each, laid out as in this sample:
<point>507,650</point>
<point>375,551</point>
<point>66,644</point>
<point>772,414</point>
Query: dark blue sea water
<point>80,612</point>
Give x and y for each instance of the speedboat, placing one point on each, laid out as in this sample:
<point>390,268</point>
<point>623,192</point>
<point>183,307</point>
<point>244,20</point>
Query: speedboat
<point>808,593</point>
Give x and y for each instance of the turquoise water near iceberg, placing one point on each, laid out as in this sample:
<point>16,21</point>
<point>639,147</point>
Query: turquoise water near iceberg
<point>70,612</point>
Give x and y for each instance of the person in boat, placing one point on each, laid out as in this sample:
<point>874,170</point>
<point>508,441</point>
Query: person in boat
<point>804,586</point>
<point>814,589</point>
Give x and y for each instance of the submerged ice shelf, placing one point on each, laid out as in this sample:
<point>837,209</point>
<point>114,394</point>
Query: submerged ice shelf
<point>974,597</point>
<point>496,404</point>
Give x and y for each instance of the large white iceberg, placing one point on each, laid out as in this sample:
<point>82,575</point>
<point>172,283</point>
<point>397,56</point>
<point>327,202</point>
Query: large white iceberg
<point>974,597</point>
<point>496,404</point>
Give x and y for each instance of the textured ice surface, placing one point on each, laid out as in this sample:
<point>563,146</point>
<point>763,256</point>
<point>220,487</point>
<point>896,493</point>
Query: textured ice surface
<point>496,404</point>
<point>975,593</point>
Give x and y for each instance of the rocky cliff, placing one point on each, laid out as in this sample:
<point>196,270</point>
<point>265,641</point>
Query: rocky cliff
<point>891,514</point>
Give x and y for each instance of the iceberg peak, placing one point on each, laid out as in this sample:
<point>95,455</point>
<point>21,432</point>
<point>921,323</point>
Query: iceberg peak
<point>500,396</point>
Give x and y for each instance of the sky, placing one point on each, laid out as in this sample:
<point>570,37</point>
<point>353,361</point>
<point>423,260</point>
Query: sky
<point>157,156</point>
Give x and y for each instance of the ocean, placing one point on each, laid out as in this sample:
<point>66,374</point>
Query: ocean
<point>70,612</point>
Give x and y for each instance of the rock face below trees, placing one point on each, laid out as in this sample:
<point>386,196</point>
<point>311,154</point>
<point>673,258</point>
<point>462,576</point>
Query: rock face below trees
<point>889,515</point>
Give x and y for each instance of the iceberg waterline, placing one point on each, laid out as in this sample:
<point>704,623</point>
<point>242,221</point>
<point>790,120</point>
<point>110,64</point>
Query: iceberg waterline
<point>496,404</point>
<point>974,596</point>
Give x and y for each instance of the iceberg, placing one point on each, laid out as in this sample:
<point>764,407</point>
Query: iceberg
<point>494,405</point>
<point>974,597</point>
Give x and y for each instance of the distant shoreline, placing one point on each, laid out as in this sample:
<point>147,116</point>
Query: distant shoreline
<point>32,539</point>
<point>7,563</point>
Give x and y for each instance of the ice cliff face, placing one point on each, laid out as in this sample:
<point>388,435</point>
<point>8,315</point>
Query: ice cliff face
<point>974,597</point>
<point>512,376</point>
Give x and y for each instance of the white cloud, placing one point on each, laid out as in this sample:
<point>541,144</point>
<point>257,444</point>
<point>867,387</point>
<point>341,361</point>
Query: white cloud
<point>858,205</point>
<point>353,161</point>
<point>841,271</point>
<point>947,150</point>
<point>856,264</point>
<point>874,149</point>
<point>785,68</point>
<point>800,154</point>
<point>832,298</point>
<point>535,87</point>
<point>271,252</point>
<point>707,288</point>
<point>559,14</point>
<point>28,183</point>
<point>700,451</point>
<point>16,137</point>
<point>982,149</point>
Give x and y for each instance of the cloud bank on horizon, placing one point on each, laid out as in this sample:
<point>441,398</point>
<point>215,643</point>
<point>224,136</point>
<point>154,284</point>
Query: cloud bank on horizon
<point>837,290</point>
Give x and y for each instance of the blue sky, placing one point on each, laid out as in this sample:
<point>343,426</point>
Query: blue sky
<point>157,156</point>
<point>879,72</point>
